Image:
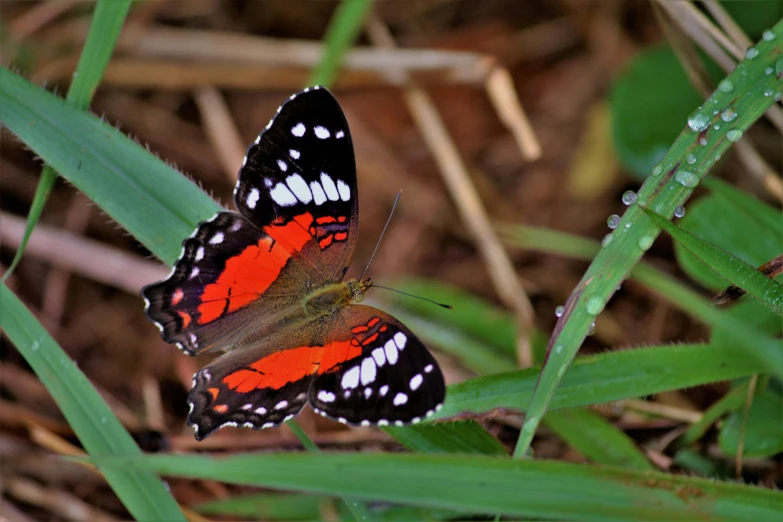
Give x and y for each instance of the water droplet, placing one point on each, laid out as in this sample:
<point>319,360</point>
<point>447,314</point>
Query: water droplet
<point>607,240</point>
<point>594,305</point>
<point>679,211</point>
<point>591,330</point>
<point>728,115</point>
<point>35,346</point>
<point>768,92</point>
<point>559,311</point>
<point>751,53</point>
<point>645,242</point>
<point>717,157</point>
<point>686,178</point>
<point>777,96</point>
<point>104,420</point>
<point>613,221</point>
<point>629,198</point>
<point>559,349</point>
<point>734,135</point>
<point>691,159</point>
<point>769,70</point>
<point>716,126</point>
<point>656,171</point>
<point>703,141</point>
<point>768,35</point>
<point>698,121</point>
<point>628,225</point>
<point>726,86</point>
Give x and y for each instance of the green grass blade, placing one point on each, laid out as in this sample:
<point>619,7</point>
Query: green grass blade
<point>732,268</point>
<point>732,401</point>
<point>448,437</point>
<point>605,377</point>
<point>346,23</point>
<point>107,22</point>
<point>597,439</point>
<point>483,484</point>
<point>673,180</point>
<point>99,431</point>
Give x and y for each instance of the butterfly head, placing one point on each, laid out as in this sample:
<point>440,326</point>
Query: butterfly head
<point>357,288</point>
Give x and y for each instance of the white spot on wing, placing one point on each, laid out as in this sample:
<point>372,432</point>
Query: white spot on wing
<point>280,405</point>
<point>326,396</point>
<point>298,130</point>
<point>321,132</point>
<point>299,186</point>
<point>391,351</point>
<point>400,399</point>
<point>345,190</point>
<point>328,183</point>
<point>295,154</point>
<point>252,198</point>
<point>261,410</point>
<point>216,239</point>
<point>283,196</point>
<point>351,378</point>
<point>283,165</point>
<point>339,134</point>
<point>400,340</point>
<point>368,371</point>
<point>200,253</point>
<point>194,272</point>
<point>384,390</point>
<point>367,393</point>
<point>378,355</point>
<point>416,381</point>
<point>428,368</point>
<point>318,193</point>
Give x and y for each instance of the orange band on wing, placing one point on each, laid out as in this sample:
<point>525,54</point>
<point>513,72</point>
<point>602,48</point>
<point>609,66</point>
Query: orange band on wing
<point>251,272</point>
<point>276,370</point>
<point>337,353</point>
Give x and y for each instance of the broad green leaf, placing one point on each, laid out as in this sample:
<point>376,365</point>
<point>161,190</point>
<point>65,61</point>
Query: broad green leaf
<point>650,102</point>
<point>754,16</point>
<point>481,484</point>
<point>762,434</point>
<point>672,181</point>
<point>99,431</point>
<point>731,268</point>
<point>734,222</point>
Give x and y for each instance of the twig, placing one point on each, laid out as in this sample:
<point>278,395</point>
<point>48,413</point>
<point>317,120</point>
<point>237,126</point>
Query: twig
<point>457,179</point>
<point>221,130</point>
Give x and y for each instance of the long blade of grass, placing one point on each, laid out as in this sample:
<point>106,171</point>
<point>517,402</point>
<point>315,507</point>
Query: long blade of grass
<point>732,268</point>
<point>99,431</point>
<point>107,22</point>
<point>672,182</point>
<point>482,484</point>
<point>605,377</point>
<point>346,23</point>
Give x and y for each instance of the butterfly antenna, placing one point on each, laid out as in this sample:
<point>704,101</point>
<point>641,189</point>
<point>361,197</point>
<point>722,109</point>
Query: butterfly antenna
<point>414,296</point>
<point>382,233</point>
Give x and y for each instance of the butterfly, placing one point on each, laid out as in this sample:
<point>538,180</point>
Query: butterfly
<point>265,286</point>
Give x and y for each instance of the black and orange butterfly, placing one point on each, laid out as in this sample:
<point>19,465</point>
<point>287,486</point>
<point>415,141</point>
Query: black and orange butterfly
<point>265,286</point>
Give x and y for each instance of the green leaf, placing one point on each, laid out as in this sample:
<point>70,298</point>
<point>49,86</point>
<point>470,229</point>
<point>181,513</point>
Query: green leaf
<point>481,484</point>
<point>734,222</point>
<point>672,181</point>
<point>754,16</point>
<point>597,439</point>
<point>448,437</point>
<point>99,431</point>
<point>105,27</point>
<point>605,377</point>
<point>762,434</point>
<point>732,268</point>
<point>650,102</point>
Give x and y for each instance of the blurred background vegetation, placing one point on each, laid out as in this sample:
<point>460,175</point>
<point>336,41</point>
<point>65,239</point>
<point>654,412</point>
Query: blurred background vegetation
<point>553,112</point>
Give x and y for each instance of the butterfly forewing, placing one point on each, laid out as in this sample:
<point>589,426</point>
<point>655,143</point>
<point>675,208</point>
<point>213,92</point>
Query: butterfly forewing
<point>303,162</point>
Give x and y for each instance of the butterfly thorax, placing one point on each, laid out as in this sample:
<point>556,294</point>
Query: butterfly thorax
<point>330,298</point>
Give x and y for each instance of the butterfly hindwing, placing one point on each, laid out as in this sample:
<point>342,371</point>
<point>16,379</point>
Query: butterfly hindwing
<point>303,161</point>
<point>385,375</point>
